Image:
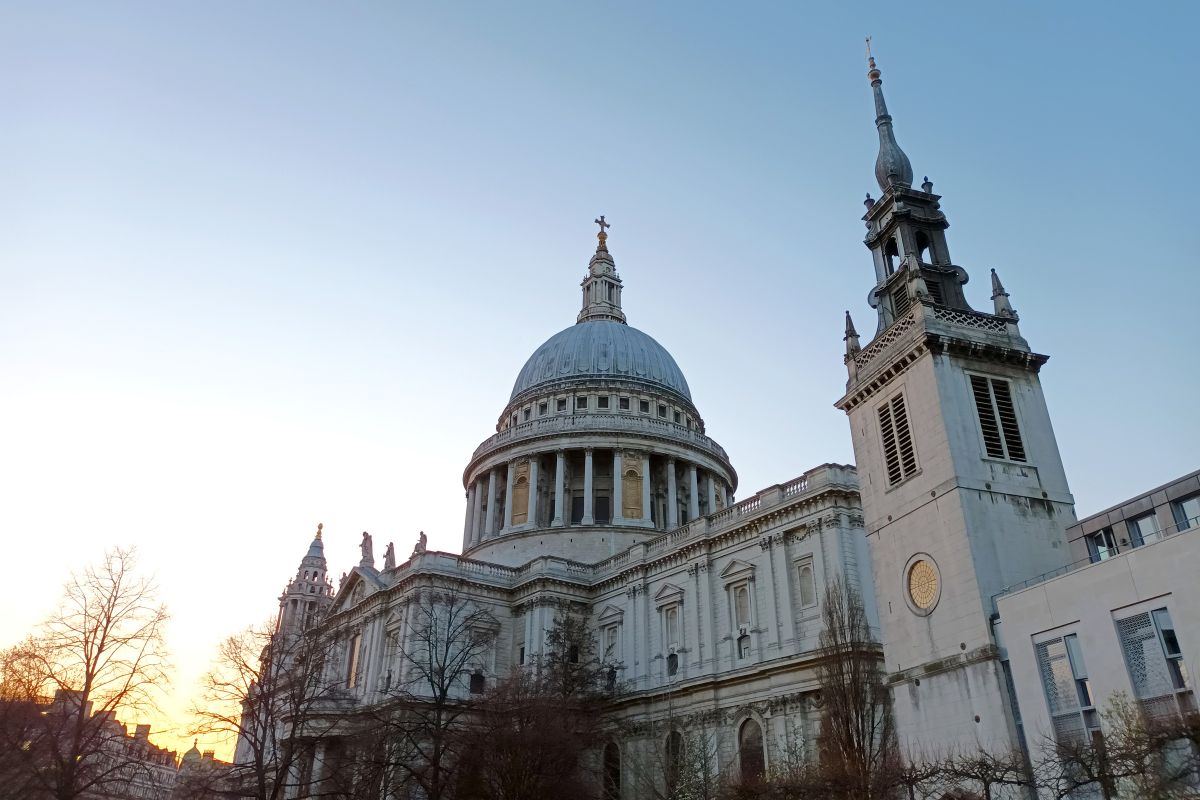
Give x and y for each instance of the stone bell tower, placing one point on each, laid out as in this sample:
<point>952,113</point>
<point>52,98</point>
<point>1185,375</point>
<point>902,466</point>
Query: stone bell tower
<point>962,485</point>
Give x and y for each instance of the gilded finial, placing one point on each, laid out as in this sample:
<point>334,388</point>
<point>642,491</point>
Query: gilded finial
<point>603,234</point>
<point>872,70</point>
<point>320,525</point>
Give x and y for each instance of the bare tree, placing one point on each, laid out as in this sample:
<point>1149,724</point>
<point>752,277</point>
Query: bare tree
<point>267,688</point>
<point>441,650</point>
<point>99,655</point>
<point>532,736</point>
<point>985,775</point>
<point>857,735</point>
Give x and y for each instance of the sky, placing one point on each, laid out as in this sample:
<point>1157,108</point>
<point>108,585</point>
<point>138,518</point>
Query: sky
<point>272,264</point>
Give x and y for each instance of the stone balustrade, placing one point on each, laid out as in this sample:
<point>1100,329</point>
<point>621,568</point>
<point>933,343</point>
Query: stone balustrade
<point>599,423</point>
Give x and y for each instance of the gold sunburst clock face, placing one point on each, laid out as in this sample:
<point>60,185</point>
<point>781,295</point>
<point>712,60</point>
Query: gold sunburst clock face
<point>923,584</point>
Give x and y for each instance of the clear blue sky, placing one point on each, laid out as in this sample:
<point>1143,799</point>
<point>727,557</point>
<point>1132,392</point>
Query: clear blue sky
<point>269,264</point>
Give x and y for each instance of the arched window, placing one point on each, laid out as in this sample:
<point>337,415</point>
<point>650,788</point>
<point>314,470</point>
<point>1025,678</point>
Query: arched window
<point>808,586</point>
<point>743,646</point>
<point>924,250</point>
<point>751,759</point>
<point>672,664</point>
<point>891,254</point>
<point>478,682</point>
<point>612,771</point>
<point>674,760</point>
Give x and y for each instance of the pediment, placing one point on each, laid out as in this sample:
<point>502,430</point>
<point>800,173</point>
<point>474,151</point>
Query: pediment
<point>610,613</point>
<point>667,593</point>
<point>356,588</point>
<point>737,569</point>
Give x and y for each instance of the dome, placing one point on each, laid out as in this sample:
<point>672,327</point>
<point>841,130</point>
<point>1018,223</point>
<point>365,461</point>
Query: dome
<point>600,348</point>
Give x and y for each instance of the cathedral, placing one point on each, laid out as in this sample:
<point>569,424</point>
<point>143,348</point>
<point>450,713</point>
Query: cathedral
<point>603,492</point>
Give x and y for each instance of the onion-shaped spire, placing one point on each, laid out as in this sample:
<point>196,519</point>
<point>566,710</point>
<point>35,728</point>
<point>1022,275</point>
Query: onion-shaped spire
<point>892,167</point>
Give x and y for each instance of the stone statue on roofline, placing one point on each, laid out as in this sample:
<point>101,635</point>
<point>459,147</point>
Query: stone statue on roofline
<point>422,541</point>
<point>389,556</point>
<point>368,551</point>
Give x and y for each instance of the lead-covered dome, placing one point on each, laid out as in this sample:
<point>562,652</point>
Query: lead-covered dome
<point>601,348</point>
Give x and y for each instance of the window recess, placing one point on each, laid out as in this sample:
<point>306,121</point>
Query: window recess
<point>997,418</point>
<point>899,455</point>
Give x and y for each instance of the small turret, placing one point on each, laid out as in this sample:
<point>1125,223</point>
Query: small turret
<point>309,594</point>
<point>602,285</point>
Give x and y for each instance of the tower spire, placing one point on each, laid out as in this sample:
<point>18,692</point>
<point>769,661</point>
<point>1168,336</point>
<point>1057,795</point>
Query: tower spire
<point>892,167</point>
<point>602,285</point>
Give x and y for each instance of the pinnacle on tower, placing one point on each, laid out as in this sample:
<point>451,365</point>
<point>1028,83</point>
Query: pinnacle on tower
<point>892,167</point>
<point>851,337</point>
<point>1000,301</point>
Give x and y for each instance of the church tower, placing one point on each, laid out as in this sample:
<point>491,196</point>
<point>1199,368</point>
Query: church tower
<point>310,593</point>
<point>962,484</point>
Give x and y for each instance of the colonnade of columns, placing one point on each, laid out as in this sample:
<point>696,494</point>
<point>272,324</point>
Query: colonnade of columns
<point>489,514</point>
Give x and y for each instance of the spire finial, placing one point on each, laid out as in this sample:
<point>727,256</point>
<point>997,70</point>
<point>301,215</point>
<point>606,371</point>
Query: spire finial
<point>320,526</point>
<point>1000,302</point>
<point>603,234</point>
<point>851,337</point>
<point>892,167</point>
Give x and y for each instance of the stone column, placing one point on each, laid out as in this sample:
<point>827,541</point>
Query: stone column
<point>712,493</point>
<point>559,459</point>
<point>693,493</point>
<point>467,532</point>
<point>533,491</point>
<point>672,497</point>
<point>646,511</point>
<point>587,488</point>
<point>476,510</point>
<point>508,497</point>
<point>489,522</point>
<point>711,652</point>
<point>618,479</point>
<point>782,573</point>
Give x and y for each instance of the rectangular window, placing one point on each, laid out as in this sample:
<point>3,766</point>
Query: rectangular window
<point>542,409</point>
<point>678,418</point>
<point>670,627</point>
<point>1068,693</point>
<point>997,418</point>
<point>612,643</point>
<point>1155,662</point>
<point>1101,545</point>
<point>644,406</point>
<point>581,402</point>
<point>898,453</point>
<point>623,404</point>
<point>527,414</point>
<point>807,584</point>
<point>602,508</point>
<point>741,605</point>
<point>1144,530</point>
<point>577,510</point>
<point>1187,512</point>
<point>662,411</point>
<point>602,401</point>
<point>561,404</point>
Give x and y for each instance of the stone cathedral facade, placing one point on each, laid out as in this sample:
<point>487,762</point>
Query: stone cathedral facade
<point>603,493</point>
